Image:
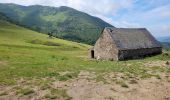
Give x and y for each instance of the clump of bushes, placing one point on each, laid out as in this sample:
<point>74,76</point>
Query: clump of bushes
<point>60,77</point>
<point>47,43</point>
<point>166,55</point>
<point>67,76</point>
<point>59,94</point>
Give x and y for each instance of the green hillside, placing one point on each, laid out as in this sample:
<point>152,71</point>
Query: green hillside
<point>27,52</point>
<point>11,34</point>
<point>63,22</point>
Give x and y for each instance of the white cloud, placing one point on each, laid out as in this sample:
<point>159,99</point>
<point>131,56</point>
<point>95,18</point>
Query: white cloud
<point>159,12</point>
<point>126,24</point>
<point>163,30</point>
<point>103,7</point>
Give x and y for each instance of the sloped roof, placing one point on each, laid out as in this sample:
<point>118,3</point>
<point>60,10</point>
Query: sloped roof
<point>132,38</point>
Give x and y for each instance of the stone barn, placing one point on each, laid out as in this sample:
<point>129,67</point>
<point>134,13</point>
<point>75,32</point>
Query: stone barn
<point>125,43</point>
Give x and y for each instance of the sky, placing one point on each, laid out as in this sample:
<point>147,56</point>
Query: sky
<point>151,14</point>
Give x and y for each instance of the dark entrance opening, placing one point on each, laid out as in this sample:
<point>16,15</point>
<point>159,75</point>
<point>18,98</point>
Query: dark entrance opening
<point>92,53</point>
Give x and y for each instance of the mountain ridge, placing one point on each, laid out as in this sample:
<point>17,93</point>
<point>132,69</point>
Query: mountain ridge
<point>63,22</point>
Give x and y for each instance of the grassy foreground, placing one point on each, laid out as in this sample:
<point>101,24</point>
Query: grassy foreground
<point>28,54</point>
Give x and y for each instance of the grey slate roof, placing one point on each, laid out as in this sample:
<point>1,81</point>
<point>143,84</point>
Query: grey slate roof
<point>132,38</point>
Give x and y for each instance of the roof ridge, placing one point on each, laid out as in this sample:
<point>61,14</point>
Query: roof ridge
<point>123,28</point>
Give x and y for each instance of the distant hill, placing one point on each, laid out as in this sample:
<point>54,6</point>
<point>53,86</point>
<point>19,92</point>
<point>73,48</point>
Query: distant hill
<point>164,39</point>
<point>3,17</point>
<point>63,22</point>
<point>166,45</point>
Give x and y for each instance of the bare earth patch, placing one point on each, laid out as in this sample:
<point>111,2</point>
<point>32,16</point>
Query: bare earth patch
<point>84,90</point>
<point>84,87</point>
<point>146,89</point>
<point>3,63</point>
<point>150,89</point>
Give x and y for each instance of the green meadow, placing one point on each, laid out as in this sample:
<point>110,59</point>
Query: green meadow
<point>31,63</point>
<point>28,54</point>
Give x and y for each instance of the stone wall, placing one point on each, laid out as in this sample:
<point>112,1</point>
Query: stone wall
<point>138,53</point>
<point>105,48</point>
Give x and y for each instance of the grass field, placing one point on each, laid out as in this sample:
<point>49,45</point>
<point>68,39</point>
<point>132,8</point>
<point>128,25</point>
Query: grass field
<point>38,60</point>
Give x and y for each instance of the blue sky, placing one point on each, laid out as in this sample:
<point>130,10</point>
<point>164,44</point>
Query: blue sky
<point>152,14</point>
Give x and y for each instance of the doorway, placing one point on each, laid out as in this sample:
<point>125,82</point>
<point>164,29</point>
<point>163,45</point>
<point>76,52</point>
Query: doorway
<point>92,53</point>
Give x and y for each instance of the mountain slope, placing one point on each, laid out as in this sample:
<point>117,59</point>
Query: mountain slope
<point>3,17</point>
<point>13,35</point>
<point>63,22</point>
